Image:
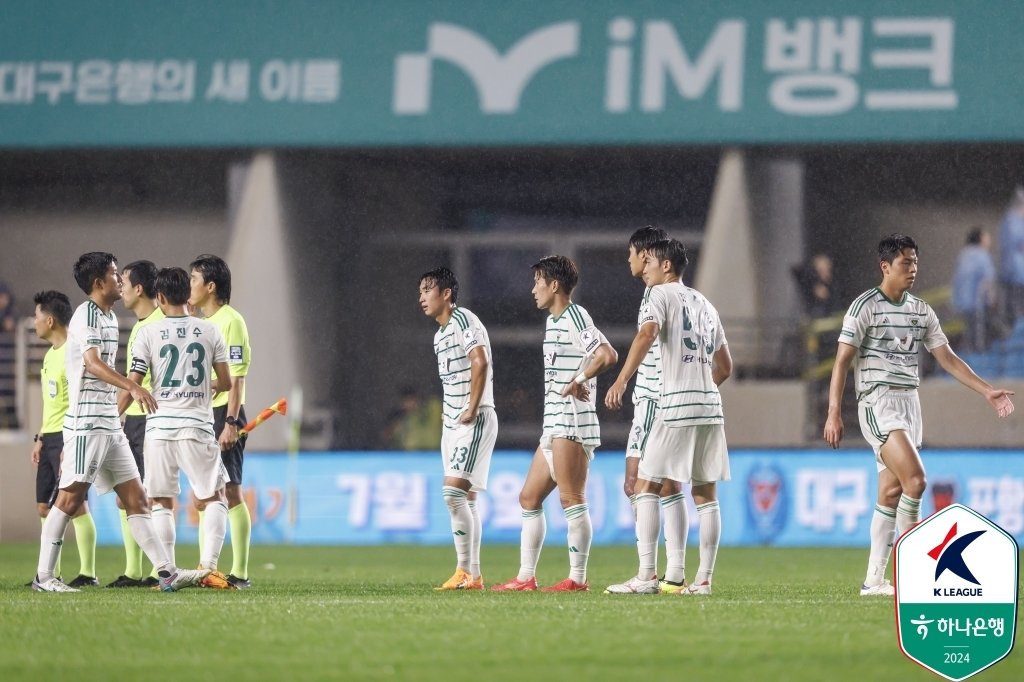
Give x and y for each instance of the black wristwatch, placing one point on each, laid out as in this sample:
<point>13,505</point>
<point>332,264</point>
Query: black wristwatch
<point>35,438</point>
<point>233,421</point>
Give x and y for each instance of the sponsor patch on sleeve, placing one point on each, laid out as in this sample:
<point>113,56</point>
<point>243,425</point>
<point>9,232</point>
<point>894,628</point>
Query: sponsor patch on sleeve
<point>590,340</point>
<point>235,354</point>
<point>469,339</point>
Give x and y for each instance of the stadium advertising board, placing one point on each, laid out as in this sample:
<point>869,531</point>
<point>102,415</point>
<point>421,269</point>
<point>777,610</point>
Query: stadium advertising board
<point>470,72</point>
<point>776,497</point>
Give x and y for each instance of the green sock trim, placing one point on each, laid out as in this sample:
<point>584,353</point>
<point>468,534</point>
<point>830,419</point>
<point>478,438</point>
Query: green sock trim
<point>85,538</point>
<point>132,551</point>
<point>241,535</point>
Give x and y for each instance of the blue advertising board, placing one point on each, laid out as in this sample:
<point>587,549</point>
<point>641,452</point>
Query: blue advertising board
<point>776,497</point>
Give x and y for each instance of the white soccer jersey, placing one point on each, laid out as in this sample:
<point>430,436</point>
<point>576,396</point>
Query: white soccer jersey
<point>569,341</point>
<point>690,332</point>
<point>92,403</point>
<point>888,336</point>
<point>452,345</point>
<point>648,375</point>
<point>180,353</point>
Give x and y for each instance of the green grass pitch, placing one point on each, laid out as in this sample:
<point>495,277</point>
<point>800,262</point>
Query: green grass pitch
<point>353,613</point>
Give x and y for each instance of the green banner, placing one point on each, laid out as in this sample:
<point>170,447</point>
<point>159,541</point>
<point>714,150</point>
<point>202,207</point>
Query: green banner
<point>470,72</point>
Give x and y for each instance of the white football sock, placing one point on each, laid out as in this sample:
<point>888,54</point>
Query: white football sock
<point>531,541</point>
<point>164,528</point>
<point>710,534</point>
<point>474,543</point>
<point>677,525</point>
<point>883,533</point>
<point>462,523</point>
<point>215,527</point>
<point>51,539</point>
<point>908,514</point>
<point>580,534</point>
<point>145,535</point>
<point>648,527</point>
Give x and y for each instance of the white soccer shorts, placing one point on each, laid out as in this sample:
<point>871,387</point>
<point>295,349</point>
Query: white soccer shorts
<point>644,413</point>
<point>685,453</point>
<point>466,449</point>
<point>896,409</point>
<point>200,460</point>
<point>103,460</point>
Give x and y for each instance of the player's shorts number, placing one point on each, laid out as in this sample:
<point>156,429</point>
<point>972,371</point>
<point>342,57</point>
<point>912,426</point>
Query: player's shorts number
<point>458,457</point>
<point>197,354</point>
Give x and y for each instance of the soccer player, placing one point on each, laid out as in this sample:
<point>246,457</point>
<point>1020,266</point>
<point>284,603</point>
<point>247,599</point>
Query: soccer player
<point>687,439</point>
<point>98,451</point>
<point>646,395</point>
<point>211,292</point>
<point>575,352</point>
<point>53,313</point>
<point>470,428</point>
<point>882,333</point>
<point>139,296</point>
<point>182,353</point>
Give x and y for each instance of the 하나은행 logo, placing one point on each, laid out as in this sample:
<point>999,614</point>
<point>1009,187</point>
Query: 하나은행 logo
<point>956,592</point>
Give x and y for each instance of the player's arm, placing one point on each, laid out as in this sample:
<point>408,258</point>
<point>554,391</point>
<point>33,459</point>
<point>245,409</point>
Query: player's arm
<point>834,421</point>
<point>37,448</point>
<point>602,357</point>
<point>99,369</point>
<point>223,380</point>
<point>998,398</point>
<point>229,434</point>
<point>721,365</point>
<point>477,382</point>
<point>642,343</point>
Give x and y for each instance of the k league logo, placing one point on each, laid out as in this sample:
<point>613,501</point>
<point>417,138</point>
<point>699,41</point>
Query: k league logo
<point>956,578</point>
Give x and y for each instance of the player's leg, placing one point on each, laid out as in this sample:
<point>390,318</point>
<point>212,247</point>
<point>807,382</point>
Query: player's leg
<point>239,518</point>
<point>47,477</point>
<point>538,485</point>
<point>705,497</point>
<point>883,534</point>
<point>900,456</point>
<point>676,526</point>
<point>85,541</point>
<point>455,446</point>
<point>135,432</point>
<point>571,463</point>
<point>201,462</point>
<point>69,500</point>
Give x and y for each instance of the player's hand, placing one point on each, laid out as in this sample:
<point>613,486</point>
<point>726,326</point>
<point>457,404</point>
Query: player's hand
<point>469,416</point>
<point>834,430</point>
<point>144,398</point>
<point>37,452</point>
<point>228,437</point>
<point>999,399</point>
<point>613,398</point>
<point>578,391</point>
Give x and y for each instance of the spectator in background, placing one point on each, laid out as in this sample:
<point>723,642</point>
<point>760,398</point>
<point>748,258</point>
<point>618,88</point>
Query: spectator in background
<point>8,317</point>
<point>415,424</point>
<point>974,288</point>
<point>1011,260</point>
<point>817,286</point>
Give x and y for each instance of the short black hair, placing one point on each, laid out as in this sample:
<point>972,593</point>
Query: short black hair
<point>90,267</point>
<point>214,269</point>
<point>173,284</point>
<point>444,279</point>
<point>56,304</point>
<point>559,269</point>
<point>642,239</point>
<point>671,250</point>
<point>974,236</point>
<point>893,245</point>
<point>142,273</point>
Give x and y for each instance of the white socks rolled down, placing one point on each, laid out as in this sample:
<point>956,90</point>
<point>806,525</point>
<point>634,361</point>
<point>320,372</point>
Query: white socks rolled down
<point>677,525</point>
<point>531,541</point>
<point>710,534</point>
<point>215,527</point>
<point>462,523</point>
<point>883,533</point>
<point>580,535</point>
<point>50,541</point>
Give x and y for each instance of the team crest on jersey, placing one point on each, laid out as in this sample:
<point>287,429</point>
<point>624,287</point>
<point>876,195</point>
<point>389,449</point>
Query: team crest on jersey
<point>182,332</point>
<point>914,321</point>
